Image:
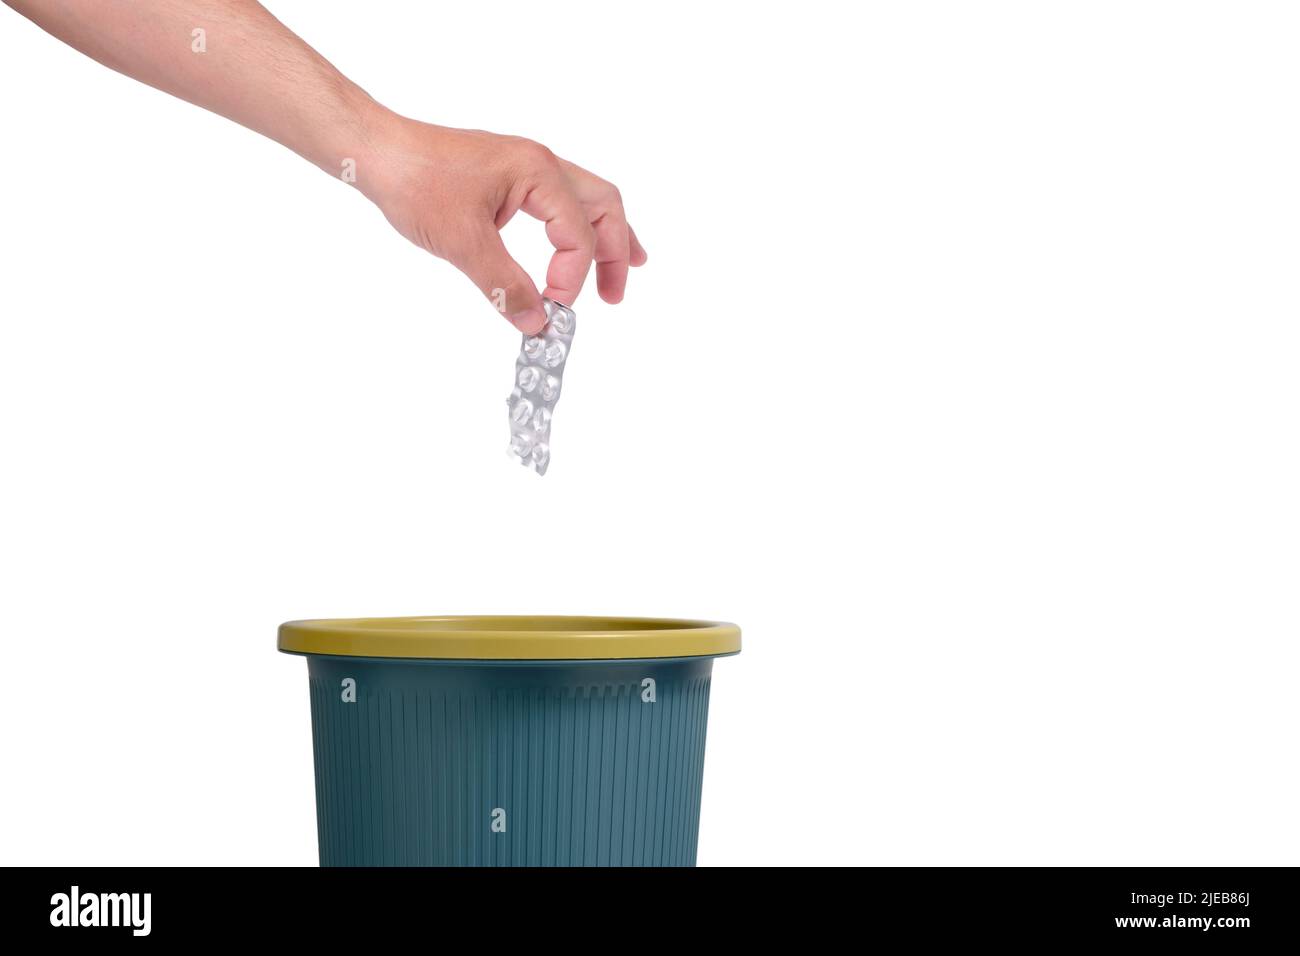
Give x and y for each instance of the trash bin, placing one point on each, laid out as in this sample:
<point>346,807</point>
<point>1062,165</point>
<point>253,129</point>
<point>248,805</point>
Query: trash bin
<point>508,741</point>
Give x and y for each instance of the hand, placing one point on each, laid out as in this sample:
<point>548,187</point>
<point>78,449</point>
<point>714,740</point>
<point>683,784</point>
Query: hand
<point>451,191</point>
<point>448,190</point>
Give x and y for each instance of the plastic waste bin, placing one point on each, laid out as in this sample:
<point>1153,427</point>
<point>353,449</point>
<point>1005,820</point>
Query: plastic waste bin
<point>509,741</point>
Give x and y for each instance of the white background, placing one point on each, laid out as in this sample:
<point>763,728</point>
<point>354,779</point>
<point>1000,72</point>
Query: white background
<point>963,377</point>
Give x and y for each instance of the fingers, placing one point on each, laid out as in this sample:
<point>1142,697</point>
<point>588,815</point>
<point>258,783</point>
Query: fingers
<point>584,221</point>
<point>483,257</point>
<point>552,200</point>
<point>638,257</point>
<point>612,251</point>
<point>617,247</point>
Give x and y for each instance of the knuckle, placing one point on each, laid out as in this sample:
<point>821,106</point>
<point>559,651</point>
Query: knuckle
<point>533,155</point>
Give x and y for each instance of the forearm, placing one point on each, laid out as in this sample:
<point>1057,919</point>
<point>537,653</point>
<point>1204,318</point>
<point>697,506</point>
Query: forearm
<point>449,191</point>
<point>251,68</point>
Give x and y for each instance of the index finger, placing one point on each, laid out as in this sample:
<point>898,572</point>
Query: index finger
<point>552,201</point>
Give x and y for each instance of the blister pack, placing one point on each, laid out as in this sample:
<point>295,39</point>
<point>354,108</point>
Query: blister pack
<point>539,371</point>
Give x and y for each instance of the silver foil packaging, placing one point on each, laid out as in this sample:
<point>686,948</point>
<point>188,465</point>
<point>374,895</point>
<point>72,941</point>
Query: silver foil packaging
<point>539,374</point>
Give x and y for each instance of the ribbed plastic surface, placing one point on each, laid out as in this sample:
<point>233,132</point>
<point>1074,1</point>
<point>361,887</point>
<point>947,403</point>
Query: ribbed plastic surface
<point>537,764</point>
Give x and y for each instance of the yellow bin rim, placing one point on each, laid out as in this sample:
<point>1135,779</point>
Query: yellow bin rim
<point>510,638</point>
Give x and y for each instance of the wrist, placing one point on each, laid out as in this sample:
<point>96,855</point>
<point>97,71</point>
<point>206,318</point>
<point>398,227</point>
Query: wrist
<point>355,142</point>
<point>389,149</point>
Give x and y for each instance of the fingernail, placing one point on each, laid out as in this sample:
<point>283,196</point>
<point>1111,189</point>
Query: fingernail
<point>529,321</point>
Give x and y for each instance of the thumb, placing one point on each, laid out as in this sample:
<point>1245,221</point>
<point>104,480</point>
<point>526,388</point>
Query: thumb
<point>504,281</point>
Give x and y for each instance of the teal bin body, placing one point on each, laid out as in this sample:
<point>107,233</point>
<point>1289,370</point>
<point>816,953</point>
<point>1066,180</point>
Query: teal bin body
<point>508,763</point>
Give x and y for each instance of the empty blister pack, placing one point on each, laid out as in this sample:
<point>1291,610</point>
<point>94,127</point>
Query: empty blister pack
<point>539,371</point>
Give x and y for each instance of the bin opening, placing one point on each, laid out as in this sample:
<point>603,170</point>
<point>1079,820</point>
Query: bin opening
<point>521,637</point>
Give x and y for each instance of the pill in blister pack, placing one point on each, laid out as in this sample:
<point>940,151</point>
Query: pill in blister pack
<point>538,373</point>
